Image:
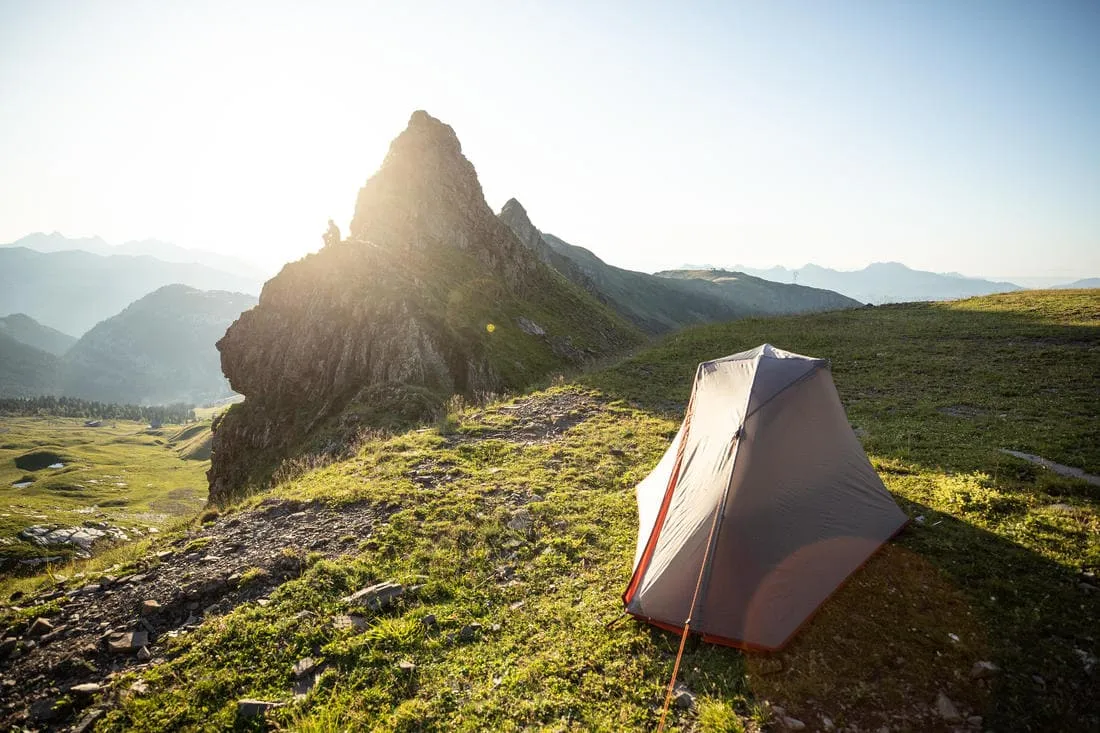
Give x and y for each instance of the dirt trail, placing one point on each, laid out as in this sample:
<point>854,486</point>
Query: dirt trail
<point>194,577</point>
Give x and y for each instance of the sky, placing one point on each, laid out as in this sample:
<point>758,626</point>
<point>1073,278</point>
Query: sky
<point>951,136</point>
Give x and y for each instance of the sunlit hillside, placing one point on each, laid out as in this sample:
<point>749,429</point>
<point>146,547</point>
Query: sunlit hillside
<point>511,528</point>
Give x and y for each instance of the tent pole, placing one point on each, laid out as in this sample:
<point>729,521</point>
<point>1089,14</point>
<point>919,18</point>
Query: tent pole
<point>687,623</point>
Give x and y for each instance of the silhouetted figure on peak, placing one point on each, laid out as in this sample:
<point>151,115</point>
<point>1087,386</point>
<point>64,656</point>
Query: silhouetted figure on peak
<point>332,234</point>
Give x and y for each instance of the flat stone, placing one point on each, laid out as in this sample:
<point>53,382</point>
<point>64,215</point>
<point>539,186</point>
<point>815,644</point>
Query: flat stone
<point>302,666</point>
<point>793,723</point>
<point>88,721</point>
<point>354,623</point>
<point>982,670</point>
<point>255,708</point>
<point>86,689</point>
<point>40,627</point>
<point>376,597</point>
<point>127,641</point>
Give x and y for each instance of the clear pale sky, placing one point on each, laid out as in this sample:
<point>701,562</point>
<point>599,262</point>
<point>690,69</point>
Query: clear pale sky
<point>951,136</point>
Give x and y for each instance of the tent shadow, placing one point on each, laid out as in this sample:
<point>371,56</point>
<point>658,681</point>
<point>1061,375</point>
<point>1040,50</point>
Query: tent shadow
<point>913,624</point>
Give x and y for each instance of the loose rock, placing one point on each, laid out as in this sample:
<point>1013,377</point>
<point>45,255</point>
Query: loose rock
<point>376,597</point>
<point>683,698</point>
<point>40,627</point>
<point>983,670</point>
<point>255,708</point>
<point>127,642</point>
<point>946,708</point>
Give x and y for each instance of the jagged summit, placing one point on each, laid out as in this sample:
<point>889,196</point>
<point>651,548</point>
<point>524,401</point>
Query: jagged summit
<point>430,294</point>
<point>424,183</point>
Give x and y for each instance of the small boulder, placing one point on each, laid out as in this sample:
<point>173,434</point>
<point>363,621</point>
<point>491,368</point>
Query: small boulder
<point>947,709</point>
<point>144,654</point>
<point>793,723</point>
<point>150,607</point>
<point>376,597</point>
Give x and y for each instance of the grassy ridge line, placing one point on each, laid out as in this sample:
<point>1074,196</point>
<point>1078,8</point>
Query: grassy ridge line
<point>992,573</point>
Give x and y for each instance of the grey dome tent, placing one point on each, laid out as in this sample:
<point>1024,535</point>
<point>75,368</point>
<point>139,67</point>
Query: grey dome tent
<point>760,509</point>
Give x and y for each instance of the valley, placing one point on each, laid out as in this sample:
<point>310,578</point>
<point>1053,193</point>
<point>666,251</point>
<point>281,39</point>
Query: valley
<point>69,490</point>
<point>510,526</point>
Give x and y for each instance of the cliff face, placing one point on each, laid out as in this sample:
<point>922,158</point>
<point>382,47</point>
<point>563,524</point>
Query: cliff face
<point>429,295</point>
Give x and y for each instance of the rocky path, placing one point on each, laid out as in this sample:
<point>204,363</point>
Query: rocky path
<point>53,664</point>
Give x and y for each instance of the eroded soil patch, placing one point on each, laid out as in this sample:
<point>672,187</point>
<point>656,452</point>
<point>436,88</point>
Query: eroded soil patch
<point>235,559</point>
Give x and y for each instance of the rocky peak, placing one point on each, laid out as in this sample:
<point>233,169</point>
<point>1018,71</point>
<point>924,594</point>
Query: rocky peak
<point>430,294</point>
<point>426,194</point>
<point>515,216</point>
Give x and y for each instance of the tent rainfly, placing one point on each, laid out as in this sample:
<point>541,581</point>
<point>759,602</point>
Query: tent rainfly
<point>760,509</point>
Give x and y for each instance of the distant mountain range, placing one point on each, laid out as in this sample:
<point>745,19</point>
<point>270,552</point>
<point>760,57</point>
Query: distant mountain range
<point>71,291</point>
<point>25,329</point>
<point>158,350</point>
<point>884,282</point>
<point>166,251</point>
<point>668,300</point>
<point>1089,282</point>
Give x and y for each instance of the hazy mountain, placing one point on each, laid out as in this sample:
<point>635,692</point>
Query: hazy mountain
<point>24,370</point>
<point>73,290</point>
<point>158,350</point>
<point>764,297</point>
<point>1089,282</point>
<point>166,251</point>
<point>25,329</point>
<point>429,295</point>
<point>884,282</point>
<point>666,301</point>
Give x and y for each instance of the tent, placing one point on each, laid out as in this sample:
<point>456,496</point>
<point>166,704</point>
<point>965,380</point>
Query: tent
<point>760,509</point>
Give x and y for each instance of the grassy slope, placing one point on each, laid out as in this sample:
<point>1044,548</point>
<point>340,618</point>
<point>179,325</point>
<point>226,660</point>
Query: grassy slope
<point>995,562</point>
<point>116,473</point>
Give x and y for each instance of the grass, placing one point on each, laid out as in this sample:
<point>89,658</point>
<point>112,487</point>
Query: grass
<point>119,473</point>
<point>993,572</point>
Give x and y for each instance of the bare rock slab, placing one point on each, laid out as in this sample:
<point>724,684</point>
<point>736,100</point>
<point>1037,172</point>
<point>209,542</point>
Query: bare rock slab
<point>129,641</point>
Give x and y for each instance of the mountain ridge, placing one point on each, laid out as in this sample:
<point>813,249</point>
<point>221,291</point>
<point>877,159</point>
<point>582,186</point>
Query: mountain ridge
<point>157,350</point>
<point>660,303</point>
<point>884,282</point>
<point>72,291</point>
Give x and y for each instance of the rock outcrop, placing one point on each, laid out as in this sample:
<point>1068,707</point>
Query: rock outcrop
<point>422,300</point>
